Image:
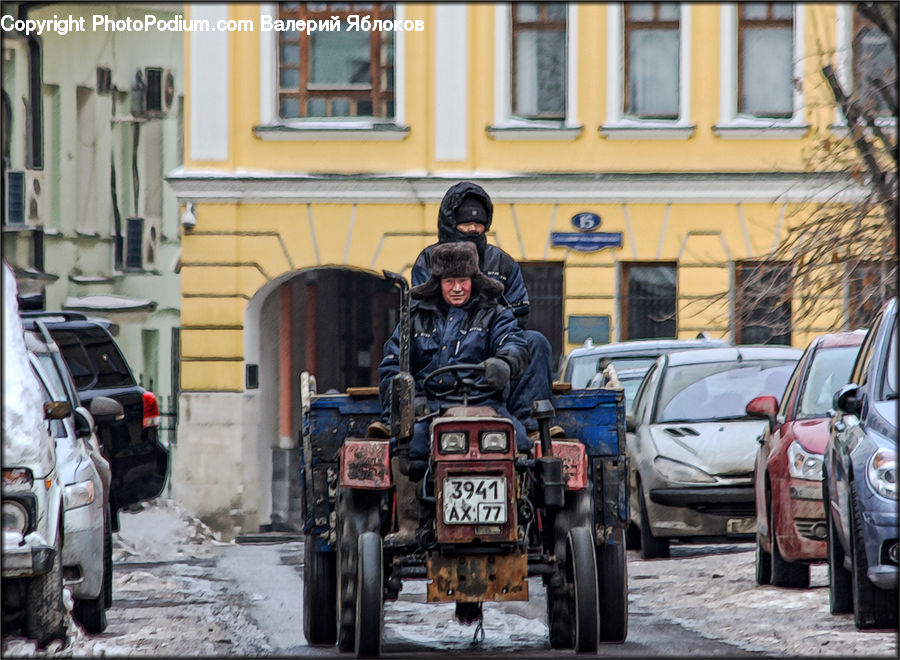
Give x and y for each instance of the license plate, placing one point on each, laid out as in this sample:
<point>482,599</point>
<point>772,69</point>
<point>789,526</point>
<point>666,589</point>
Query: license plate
<point>474,500</point>
<point>740,526</point>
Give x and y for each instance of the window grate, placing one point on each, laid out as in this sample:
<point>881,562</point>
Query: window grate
<point>134,244</point>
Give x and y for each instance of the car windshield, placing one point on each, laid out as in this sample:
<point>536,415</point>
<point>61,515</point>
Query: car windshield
<point>718,390</point>
<point>829,370</point>
<point>889,388</point>
<point>585,367</point>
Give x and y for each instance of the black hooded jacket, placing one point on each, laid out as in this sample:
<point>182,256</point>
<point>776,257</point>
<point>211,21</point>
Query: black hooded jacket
<point>493,262</point>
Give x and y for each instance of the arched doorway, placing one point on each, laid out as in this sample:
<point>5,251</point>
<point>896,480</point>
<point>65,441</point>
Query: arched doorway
<point>332,322</point>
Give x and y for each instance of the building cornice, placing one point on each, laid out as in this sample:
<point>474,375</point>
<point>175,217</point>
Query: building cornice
<point>561,188</point>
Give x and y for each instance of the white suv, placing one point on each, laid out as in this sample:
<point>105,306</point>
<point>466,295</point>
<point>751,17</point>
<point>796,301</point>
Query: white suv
<point>32,497</point>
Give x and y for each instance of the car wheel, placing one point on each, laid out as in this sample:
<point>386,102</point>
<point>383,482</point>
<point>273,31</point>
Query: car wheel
<point>107,561</point>
<point>790,574</point>
<point>91,613</point>
<point>652,547</point>
<point>872,607</point>
<point>44,611</point>
<point>839,590</point>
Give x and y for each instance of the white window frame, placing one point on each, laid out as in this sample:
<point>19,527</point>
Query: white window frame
<point>843,65</point>
<point>619,126</point>
<point>508,127</point>
<point>741,126</point>
<point>273,127</point>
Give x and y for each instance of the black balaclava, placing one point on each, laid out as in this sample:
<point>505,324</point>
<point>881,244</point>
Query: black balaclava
<point>466,197</point>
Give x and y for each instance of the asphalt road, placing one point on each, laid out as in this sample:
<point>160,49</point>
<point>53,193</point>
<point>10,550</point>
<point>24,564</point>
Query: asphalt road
<point>180,592</point>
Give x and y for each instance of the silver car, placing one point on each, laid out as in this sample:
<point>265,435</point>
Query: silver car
<point>85,476</point>
<point>691,444</point>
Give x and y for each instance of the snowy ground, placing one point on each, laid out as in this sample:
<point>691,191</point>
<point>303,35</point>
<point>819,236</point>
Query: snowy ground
<point>177,593</point>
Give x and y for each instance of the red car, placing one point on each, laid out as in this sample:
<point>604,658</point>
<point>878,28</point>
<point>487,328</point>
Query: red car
<point>790,518</point>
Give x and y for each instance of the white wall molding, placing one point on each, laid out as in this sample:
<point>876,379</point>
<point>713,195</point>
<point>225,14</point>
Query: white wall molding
<point>451,100</point>
<point>213,187</point>
<point>209,91</point>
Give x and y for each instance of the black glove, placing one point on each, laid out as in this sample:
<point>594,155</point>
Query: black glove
<point>496,372</point>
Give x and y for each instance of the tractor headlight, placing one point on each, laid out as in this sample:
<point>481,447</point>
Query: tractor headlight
<point>804,464</point>
<point>79,494</point>
<point>882,473</point>
<point>453,442</point>
<point>496,441</point>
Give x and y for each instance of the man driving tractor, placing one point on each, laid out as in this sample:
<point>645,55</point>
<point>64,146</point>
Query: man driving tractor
<point>455,318</point>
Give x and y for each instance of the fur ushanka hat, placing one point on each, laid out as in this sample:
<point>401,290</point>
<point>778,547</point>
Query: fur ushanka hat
<point>459,259</point>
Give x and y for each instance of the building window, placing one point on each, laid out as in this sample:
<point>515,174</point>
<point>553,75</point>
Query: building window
<point>765,59</point>
<point>874,68</point>
<point>335,74</point>
<point>539,60</point>
<point>871,284</point>
<point>648,300</point>
<point>763,303</point>
<point>652,63</point>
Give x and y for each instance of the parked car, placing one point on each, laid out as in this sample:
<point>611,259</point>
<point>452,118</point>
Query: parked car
<point>860,483</point>
<point>629,379</point>
<point>790,518</point>
<point>138,459</point>
<point>32,496</point>
<point>580,365</point>
<point>86,476</point>
<point>691,444</point>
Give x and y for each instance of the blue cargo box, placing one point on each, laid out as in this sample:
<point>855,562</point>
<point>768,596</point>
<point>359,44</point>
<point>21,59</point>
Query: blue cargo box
<point>596,417</point>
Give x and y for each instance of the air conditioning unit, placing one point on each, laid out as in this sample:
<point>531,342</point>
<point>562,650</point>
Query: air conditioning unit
<point>159,91</point>
<point>24,198</point>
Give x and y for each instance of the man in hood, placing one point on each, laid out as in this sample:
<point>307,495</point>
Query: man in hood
<point>465,215</point>
<point>455,318</point>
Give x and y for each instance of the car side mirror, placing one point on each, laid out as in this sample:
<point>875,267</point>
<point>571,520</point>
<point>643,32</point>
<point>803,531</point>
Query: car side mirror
<point>848,399</point>
<point>630,425</point>
<point>765,407</point>
<point>106,410</point>
<point>57,409</point>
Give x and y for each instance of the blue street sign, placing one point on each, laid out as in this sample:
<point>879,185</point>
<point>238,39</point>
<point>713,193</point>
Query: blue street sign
<point>586,242</point>
<point>585,221</point>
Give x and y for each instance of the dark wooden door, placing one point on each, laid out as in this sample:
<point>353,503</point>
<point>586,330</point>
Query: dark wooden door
<point>544,281</point>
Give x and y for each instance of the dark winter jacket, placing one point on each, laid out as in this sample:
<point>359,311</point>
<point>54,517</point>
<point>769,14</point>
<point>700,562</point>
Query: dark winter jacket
<point>442,335</point>
<point>493,262</point>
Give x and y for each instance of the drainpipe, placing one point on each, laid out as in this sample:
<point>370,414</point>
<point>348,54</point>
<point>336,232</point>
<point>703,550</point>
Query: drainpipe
<point>285,353</point>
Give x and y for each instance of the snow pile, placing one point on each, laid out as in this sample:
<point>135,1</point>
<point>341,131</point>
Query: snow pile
<point>25,438</point>
<point>719,599</point>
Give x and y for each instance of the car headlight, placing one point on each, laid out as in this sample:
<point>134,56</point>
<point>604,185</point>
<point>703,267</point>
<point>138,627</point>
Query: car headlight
<point>882,473</point>
<point>804,464</point>
<point>495,441</point>
<point>453,442</point>
<point>15,516</point>
<point>681,472</point>
<point>78,494</point>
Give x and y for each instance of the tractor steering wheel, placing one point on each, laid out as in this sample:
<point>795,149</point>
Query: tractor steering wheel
<point>462,389</point>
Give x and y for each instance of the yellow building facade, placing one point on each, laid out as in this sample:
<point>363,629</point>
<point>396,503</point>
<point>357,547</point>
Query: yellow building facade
<point>293,218</point>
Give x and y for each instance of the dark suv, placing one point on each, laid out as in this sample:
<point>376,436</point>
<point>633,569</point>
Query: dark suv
<point>138,459</point>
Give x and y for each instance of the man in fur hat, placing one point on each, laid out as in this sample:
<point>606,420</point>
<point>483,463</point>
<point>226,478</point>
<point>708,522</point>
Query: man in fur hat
<point>454,319</point>
<point>465,215</point>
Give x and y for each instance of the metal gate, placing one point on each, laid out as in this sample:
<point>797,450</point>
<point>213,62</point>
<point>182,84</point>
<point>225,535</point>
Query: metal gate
<point>544,281</point>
